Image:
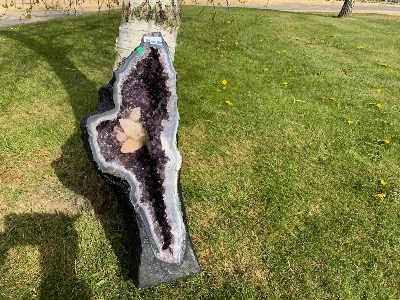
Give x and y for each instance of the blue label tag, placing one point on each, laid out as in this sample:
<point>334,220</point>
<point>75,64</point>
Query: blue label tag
<point>153,40</point>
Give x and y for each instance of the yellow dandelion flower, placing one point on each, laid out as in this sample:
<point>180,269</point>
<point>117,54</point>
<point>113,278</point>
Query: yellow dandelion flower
<point>371,103</point>
<point>308,43</point>
<point>224,82</point>
<point>382,64</point>
<point>332,98</point>
<point>386,142</point>
<point>265,69</point>
<point>382,182</point>
<point>379,90</point>
<point>380,196</point>
<point>297,39</point>
<point>350,122</point>
<point>284,51</point>
<point>379,105</point>
<point>360,47</point>
<point>334,35</point>
<point>270,21</point>
<point>323,98</point>
<point>236,43</point>
<point>228,102</point>
<point>322,41</point>
<point>285,83</point>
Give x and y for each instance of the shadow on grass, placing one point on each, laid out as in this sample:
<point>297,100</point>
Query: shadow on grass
<point>73,167</point>
<point>57,240</point>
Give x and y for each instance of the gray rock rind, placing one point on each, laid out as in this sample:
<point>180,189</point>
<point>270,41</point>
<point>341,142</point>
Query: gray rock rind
<point>148,271</point>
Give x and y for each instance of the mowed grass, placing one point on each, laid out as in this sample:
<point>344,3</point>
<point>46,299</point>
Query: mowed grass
<point>282,184</point>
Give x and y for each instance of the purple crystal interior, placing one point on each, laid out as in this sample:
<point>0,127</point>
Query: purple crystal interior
<point>144,88</point>
<point>148,81</point>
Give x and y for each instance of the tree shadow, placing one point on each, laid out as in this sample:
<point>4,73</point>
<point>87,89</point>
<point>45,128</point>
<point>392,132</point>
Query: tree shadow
<point>73,167</point>
<point>57,240</point>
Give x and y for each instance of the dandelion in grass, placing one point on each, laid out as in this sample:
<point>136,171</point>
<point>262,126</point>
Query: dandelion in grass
<point>386,142</point>
<point>332,99</point>
<point>334,35</point>
<point>236,43</point>
<point>380,195</point>
<point>383,182</point>
<point>379,105</point>
<point>266,69</point>
<point>379,90</point>
<point>360,47</point>
<point>350,122</point>
<point>284,51</point>
<point>285,83</point>
<point>228,102</point>
<point>382,64</point>
<point>297,39</point>
<point>224,82</point>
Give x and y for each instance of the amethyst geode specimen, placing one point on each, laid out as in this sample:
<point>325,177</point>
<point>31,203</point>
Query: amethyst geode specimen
<point>132,140</point>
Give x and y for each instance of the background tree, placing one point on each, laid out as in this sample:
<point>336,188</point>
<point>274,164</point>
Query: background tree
<point>139,18</point>
<point>347,9</point>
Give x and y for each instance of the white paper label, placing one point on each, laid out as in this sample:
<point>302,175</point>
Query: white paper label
<point>154,40</point>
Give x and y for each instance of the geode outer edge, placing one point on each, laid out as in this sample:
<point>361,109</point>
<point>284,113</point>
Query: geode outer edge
<point>125,180</point>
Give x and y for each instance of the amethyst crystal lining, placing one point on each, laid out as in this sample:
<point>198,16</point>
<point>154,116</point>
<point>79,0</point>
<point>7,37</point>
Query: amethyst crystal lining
<point>148,81</point>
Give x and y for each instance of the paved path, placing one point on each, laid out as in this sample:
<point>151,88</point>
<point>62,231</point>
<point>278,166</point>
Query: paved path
<point>15,18</point>
<point>328,7</point>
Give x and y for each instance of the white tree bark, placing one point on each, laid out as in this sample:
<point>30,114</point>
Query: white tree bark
<point>140,17</point>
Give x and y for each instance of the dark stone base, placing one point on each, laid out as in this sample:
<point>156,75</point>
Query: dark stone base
<point>152,271</point>
<point>145,269</point>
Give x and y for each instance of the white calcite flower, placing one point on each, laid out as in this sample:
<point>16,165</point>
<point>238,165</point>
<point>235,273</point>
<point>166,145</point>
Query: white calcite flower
<point>132,135</point>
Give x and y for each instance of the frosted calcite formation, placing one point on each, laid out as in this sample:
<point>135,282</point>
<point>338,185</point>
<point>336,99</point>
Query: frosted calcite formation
<point>130,133</point>
<point>136,141</point>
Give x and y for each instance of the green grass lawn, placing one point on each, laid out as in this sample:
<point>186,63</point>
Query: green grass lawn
<point>290,175</point>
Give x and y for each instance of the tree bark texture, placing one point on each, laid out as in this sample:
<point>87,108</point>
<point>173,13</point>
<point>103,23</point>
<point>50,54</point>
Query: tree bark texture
<point>140,17</point>
<point>347,9</point>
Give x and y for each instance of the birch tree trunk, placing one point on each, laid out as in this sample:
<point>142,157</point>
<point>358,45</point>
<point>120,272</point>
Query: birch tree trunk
<point>347,9</point>
<point>144,16</point>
